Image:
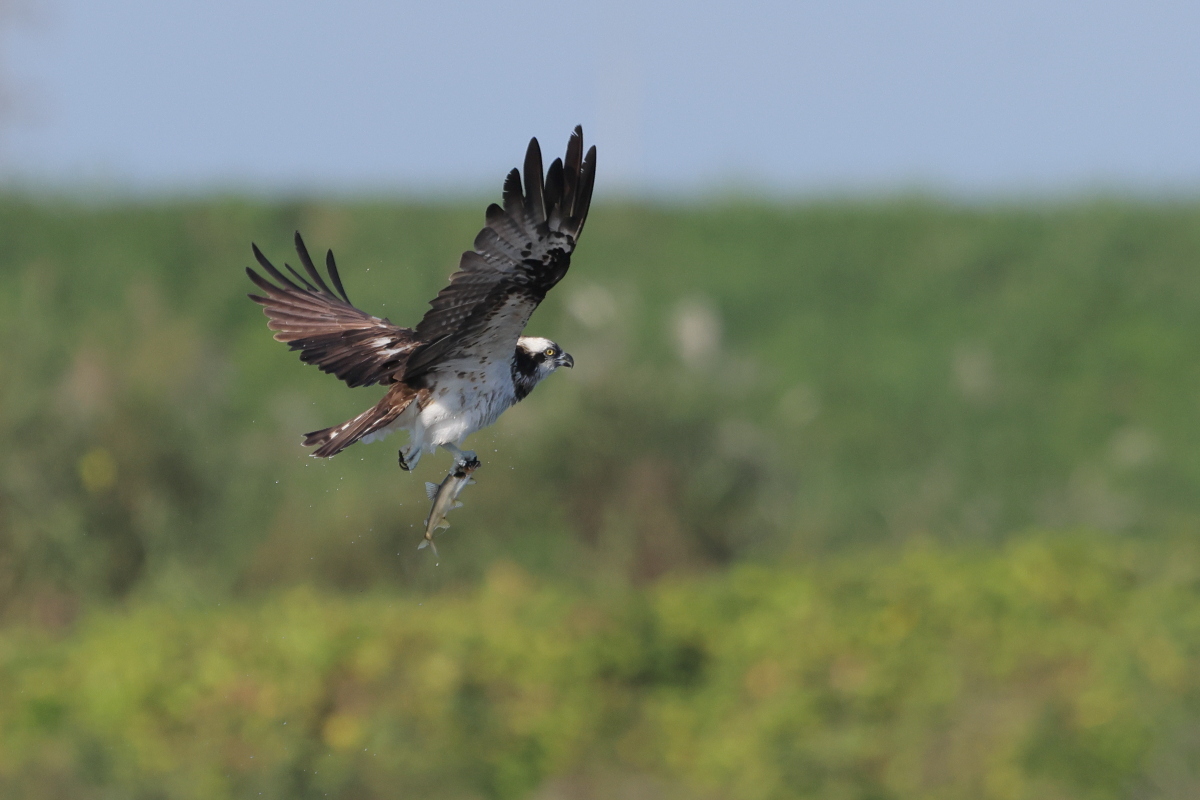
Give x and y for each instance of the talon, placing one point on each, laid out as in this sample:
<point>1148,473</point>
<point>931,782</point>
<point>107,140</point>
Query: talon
<point>403,464</point>
<point>471,464</point>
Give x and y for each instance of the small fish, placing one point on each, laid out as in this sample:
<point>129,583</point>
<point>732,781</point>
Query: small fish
<point>444,496</point>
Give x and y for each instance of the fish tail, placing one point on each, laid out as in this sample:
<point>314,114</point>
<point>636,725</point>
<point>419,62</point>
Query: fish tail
<point>429,543</point>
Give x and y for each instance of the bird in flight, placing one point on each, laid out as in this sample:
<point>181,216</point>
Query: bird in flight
<point>466,361</point>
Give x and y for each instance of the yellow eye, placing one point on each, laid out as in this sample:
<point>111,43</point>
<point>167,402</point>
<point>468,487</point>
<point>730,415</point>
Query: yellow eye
<point>549,351</point>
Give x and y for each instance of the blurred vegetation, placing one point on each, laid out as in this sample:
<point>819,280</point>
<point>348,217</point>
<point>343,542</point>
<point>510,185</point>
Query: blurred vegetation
<point>1056,667</point>
<point>786,423</point>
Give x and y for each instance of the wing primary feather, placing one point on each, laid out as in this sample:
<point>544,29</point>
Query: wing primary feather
<point>331,266</point>
<point>554,194</point>
<point>300,277</point>
<point>514,201</point>
<point>535,200</point>
<point>270,268</point>
<point>584,196</point>
<point>571,170</point>
<point>261,283</point>
<point>268,287</point>
<point>307,262</point>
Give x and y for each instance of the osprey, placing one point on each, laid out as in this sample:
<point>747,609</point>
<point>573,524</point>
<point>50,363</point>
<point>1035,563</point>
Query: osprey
<point>466,361</point>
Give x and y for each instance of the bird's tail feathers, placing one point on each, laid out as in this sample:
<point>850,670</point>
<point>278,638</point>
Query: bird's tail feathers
<point>331,441</point>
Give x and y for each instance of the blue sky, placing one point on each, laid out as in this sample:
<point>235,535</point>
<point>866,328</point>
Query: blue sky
<point>681,97</point>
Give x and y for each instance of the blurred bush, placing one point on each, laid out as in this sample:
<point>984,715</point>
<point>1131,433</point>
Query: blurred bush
<point>1059,666</point>
<point>754,383</point>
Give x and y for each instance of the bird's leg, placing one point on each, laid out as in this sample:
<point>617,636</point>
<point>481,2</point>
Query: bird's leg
<point>408,461</point>
<point>463,458</point>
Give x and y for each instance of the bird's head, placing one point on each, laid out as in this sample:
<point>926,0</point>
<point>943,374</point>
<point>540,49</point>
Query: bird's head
<point>536,358</point>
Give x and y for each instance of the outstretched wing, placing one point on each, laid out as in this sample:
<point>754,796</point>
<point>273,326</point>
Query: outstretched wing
<point>522,252</point>
<point>326,329</point>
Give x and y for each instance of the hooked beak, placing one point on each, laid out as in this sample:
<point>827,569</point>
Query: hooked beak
<point>565,360</point>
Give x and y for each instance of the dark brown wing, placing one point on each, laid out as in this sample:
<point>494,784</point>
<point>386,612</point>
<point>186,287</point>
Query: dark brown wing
<point>524,250</point>
<point>326,329</point>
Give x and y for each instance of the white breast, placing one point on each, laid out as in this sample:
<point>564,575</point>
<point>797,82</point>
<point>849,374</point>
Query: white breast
<point>467,396</point>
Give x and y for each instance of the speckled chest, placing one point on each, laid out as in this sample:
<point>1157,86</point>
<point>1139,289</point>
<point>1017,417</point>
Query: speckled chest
<point>472,394</point>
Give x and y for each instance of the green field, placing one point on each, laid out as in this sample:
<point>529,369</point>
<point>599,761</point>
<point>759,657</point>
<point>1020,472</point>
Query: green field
<point>867,500</point>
